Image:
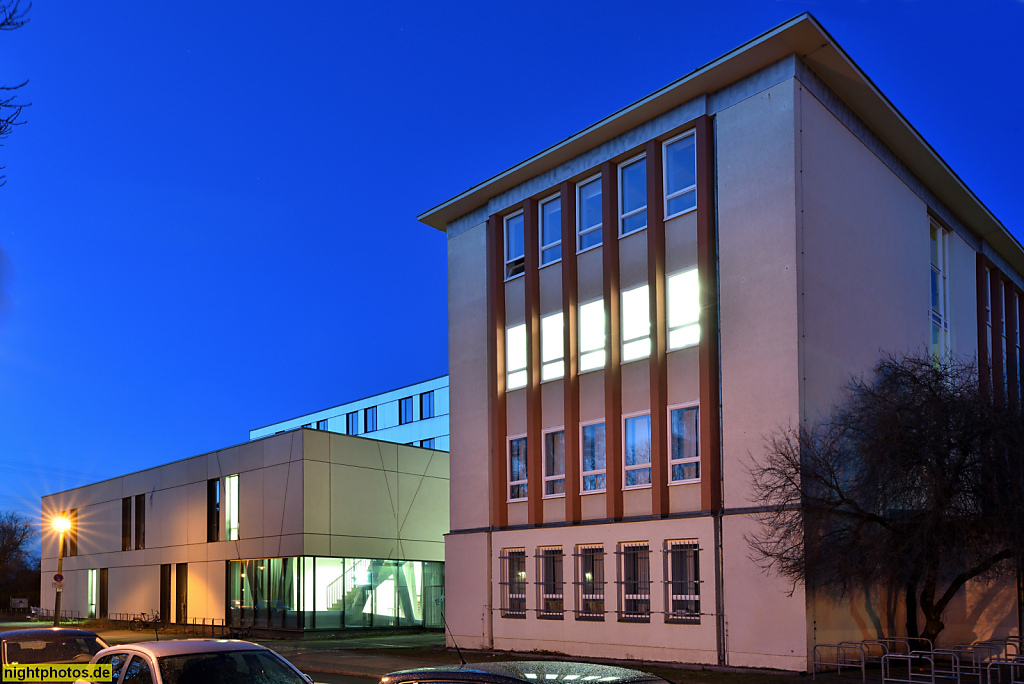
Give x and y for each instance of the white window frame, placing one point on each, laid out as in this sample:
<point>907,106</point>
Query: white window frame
<point>940,318</point>
<point>642,466</point>
<point>508,468</point>
<point>602,471</point>
<point>517,377</point>
<point>598,227</point>
<point>681,461</point>
<point>622,214</point>
<point>504,235</point>
<point>541,247</point>
<point>557,583</point>
<point>630,345</point>
<point>587,354</point>
<point>544,465</point>
<point>664,175</point>
<point>641,548</point>
<point>552,346</point>
<point>688,330</point>
<point>672,583</point>
<point>597,582</point>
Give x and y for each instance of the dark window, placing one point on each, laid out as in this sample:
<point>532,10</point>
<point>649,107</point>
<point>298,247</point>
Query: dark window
<point>140,521</point>
<point>405,411</point>
<point>427,443</point>
<point>213,509</point>
<point>72,535</point>
<point>590,583</point>
<point>370,419</point>
<point>352,423</point>
<point>321,424</point>
<point>137,672</point>
<point>513,583</point>
<point>634,583</point>
<point>426,405</point>
<point>683,587</point>
<point>126,523</point>
<point>549,584</point>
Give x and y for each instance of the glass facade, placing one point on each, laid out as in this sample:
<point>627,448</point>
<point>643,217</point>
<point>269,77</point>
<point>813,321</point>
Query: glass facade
<point>309,592</point>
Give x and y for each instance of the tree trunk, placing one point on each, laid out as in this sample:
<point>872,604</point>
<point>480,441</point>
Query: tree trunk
<point>910,596</point>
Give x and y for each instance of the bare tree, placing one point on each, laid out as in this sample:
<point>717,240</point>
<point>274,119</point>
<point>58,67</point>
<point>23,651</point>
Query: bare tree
<point>913,484</point>
<point>16,535</point>
<point>12,16</point>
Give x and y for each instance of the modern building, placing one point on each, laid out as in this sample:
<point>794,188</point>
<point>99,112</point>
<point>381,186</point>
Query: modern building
<point>415,414</point>
<point>306,530</point>
<point>634,309</point>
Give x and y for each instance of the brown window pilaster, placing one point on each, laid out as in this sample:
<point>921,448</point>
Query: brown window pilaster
<point>570,347</point>
<point>613,337</point>
<point>534,450</point>
<point>496,366</point>
<point>998,360</point>
<point>658,362</point>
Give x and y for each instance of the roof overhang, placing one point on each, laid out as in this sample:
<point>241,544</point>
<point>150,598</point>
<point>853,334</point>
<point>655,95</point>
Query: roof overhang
<point>806,38</point>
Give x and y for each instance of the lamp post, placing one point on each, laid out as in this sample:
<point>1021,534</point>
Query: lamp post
<point>62,525</point>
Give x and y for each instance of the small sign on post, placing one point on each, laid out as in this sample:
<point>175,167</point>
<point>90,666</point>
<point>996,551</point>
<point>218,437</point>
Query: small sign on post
<point>59,586</point>
<point>57,577</point>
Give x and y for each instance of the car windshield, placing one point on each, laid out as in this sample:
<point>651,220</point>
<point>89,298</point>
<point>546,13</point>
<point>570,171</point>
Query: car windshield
<point>51,649</point>
<point>227,667</point>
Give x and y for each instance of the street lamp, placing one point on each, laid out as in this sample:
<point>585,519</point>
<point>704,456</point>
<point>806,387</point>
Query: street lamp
<point>61,525</point>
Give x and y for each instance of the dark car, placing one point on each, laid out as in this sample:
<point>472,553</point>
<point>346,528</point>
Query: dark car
<point>523,672</point>
<point>48,645</point>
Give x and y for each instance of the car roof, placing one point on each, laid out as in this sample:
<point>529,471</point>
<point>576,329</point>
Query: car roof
<point>528,671</point>
<point>46,632</point>
<point>159,649</point>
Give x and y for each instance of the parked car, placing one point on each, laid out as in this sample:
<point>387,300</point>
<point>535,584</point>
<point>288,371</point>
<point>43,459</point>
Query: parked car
<point>523,672</point>
<point>198,661</point>
<point>48,645</point>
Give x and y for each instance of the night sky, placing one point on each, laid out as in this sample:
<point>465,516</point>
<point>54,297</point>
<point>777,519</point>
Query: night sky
<point>209,222</point>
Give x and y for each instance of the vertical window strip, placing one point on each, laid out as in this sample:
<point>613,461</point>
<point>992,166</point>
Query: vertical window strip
<point>634,582</point>
<point>552,347</point>
<point>550,227</point>
<point>231,506</point>
<point>517,477</point>
<point>513,583</point>
<point>591,333</point>
<point>636,324</point>
<point>550,604</point>
<point>427,405</point>
<point>590,582</point>
<point>592,457</point>
<point>938,315</point>
<point>588,213</point>
<point>682,583</point>
<point>515,250</point>
<point>684,457</point>
<point>352,423</point>
<point>140,521</point>
<point>632,195</point>
<point>636,462</point>
<point>683,309</point>
<point>679,160</point>
<point>515,357</point>
<point>554,463</point>
<point>370,419</point>
<point>72,535</point>
<point>126,523</point>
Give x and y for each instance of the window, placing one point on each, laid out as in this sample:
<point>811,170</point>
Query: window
<point>683,309</point>
<point>352,423</point>
<point>637,462</point>
<point>513,583</point>
<point>549,584</point>
<point>551,347</point>
<point>684,461</point>
<point>126,523</point>
<point>517,468</point>
<point>634,583</point>
<point>370,419</point>
<point>213,510</point>
<point>231,504</point>
<point>591,324</point>
<point>588,213</point>
<point>550,230</point>
<point>72,534</point>
<point>427,405</point>
<point>93,593</point>
<point>140,521</point>
<point>680,175</point>
<point>554,463</point>
<point>515,357</point>
<point>636,324</point>
<point>427,443</point>
<point>405,411</point>
<point>590,583</point>
<point>938,315</point>
<point>515,262</point>
<point>682,588</point>
<point>321,424</point>
<point>633,195</point>
<point>592,457</point>
<point>137,672</point>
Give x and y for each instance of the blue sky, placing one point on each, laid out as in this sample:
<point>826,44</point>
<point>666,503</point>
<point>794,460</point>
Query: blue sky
<point>209,220</point>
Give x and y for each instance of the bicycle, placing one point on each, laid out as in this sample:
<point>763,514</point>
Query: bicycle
<point>143,622</point>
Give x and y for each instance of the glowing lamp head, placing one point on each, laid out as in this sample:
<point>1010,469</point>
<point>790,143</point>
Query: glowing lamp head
<point>61,524</point>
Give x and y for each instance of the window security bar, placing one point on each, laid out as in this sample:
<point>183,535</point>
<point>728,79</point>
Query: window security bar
<point>549,584</point>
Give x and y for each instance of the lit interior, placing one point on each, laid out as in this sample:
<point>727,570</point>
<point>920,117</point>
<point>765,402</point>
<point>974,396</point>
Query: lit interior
<point>591,326</point>
<point>683,309</point>
<point>551,346</point>
<point>636,324</point>
<point>515,356</point>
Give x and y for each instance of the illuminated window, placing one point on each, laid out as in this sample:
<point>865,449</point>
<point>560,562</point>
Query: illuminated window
<point>590,583</point>
<point>684,461</point>
<point>682,589</point>
<point>637,446</point>
<point>549,584</point>
<point>938,315</point>
<point>513,583</point>
<point>588,213</point>
<point>554,463</point>
<point>515,262</point>
<point>633,195</point>
<point>551,347</point>
<point>93,592</point>
<point>683,309</point>
<point>680,159</point>
<point>550,230</point>
<point>515,357</point>
<point>592,457</point>
<point>231,506</point>
<point>636,324</point>
<point>591,324</point>
<point>517,482</point>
